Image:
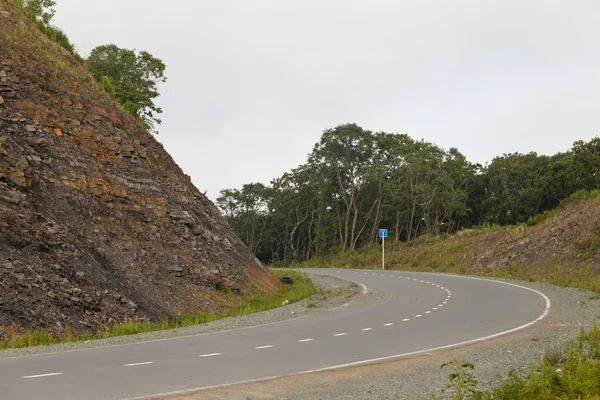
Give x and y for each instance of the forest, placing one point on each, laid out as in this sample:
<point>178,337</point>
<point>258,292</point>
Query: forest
<point>355,182</point>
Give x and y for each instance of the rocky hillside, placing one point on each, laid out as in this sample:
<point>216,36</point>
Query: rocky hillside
<point>97,222</point>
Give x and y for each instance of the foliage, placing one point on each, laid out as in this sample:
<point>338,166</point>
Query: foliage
<point>572,374</point>
<point>41,12</point>
<point>37,10</point>
<point>132,78</point>
<point>566,373</point>
<point>16,337</point>
<point>356,181</point>
<point>462,384</point>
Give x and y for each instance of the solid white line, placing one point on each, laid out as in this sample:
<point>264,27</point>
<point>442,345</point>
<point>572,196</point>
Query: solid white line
<point>388,324</point>
<point>364,288</point>
<point>41,375</point>
<point>141,363</point>
<point>406,319</point>
<point>372,360</point>
<point>305,340</point>
<point>210,355</point>
<point>366,329</point>
<point>340,334</point>
<point>263,347</point>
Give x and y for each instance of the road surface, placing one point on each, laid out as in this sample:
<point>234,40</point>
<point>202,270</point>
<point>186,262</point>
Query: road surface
<point>424,313</point>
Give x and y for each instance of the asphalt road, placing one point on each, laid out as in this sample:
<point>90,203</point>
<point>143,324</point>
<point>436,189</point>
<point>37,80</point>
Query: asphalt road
<point>425,313</point>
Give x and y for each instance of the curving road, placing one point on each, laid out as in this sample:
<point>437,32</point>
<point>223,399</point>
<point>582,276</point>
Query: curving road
<point>425,312</point>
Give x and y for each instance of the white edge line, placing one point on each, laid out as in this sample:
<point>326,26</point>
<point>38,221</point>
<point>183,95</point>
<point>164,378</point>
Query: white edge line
<point>41,375</point>
<point>364,288</point>
<point>372,360</point>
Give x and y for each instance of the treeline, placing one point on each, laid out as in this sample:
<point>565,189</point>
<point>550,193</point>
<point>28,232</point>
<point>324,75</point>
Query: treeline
<point>356,181</point>
<point>130,78</point>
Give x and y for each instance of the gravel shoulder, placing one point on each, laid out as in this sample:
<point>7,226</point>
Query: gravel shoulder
<point>420,377</point>
<point>332,293</point>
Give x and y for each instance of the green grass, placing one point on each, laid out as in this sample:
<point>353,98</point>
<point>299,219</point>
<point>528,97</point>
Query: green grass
<point>301,288</point>
<point>572,372</point>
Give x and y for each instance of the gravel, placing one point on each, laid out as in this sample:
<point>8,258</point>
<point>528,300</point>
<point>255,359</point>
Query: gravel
<point>332,293</point>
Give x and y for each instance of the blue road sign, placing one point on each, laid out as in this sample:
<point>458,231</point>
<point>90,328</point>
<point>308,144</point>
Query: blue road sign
<point>383,233</point>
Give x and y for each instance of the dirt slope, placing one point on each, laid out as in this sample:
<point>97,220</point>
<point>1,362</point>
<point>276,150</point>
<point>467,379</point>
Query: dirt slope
<point>97,222</point>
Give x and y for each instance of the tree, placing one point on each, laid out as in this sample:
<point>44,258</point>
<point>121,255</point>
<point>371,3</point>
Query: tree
<point>133,79</point>
<point>38,10</point>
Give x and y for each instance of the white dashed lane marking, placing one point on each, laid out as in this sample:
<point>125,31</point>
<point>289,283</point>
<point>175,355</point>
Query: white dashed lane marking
<point>267,346</point>
<point>41,375</point>
<point>448,296</point>
<point>210,355</point>
<point>140,363</point>
<point>305,340</point>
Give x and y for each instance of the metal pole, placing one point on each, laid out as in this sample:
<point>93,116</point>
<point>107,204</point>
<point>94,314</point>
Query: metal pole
<point>383,253</point>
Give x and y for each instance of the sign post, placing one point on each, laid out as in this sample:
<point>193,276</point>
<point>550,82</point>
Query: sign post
<point>383,234</point>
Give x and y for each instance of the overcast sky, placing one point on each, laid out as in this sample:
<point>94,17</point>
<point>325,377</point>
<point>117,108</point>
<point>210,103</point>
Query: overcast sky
<point>252,84</point>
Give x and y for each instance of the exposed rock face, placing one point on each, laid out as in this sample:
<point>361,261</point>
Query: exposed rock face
<point>97,222</point>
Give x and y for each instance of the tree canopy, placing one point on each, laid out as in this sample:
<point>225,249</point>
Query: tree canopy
<point>131,78</point>
<point>38,10</point>
<point>356,181</point>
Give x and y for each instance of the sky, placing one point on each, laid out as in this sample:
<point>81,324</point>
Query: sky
<point>252,84</point>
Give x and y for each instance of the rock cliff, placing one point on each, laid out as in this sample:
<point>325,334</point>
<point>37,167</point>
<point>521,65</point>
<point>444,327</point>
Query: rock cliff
<point>97,222</point>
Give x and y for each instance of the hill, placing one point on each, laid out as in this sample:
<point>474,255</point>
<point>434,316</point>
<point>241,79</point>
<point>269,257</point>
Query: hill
<point>563,248</point>
<point>97,222</point>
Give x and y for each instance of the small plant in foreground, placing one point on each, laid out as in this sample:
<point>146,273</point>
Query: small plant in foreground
<point>462,384</point>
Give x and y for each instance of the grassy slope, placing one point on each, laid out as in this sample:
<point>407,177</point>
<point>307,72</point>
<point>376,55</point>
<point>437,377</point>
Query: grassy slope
<point>563,248</point>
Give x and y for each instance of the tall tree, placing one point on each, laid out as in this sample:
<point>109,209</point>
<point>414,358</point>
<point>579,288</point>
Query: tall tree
<point>38,10</point>
<point>132,78</point>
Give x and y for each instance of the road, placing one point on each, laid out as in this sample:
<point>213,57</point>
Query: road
<point>424,313</point>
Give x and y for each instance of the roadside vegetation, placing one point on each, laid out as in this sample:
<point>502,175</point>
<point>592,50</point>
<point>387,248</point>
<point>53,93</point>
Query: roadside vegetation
<point>301,288</point>
<point>572,372</point>
<point>130,78</point>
